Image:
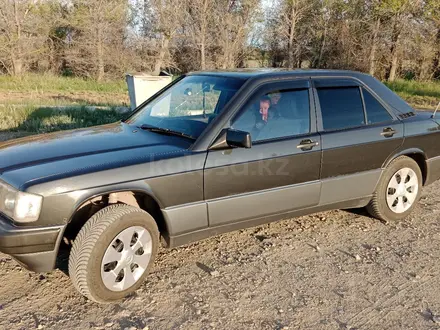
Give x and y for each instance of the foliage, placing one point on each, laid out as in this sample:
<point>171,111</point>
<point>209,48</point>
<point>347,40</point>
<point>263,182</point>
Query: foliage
<point>99,39</point>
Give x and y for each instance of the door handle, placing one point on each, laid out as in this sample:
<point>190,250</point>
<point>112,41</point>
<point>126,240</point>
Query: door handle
<point>307,145</point>
<point>388,132</point>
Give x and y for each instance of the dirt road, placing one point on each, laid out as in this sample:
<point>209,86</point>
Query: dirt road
<point>334,270</point>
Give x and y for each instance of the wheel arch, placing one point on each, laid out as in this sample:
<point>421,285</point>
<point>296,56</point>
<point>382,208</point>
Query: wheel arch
<point>91,204</point>
<point>416,154</point>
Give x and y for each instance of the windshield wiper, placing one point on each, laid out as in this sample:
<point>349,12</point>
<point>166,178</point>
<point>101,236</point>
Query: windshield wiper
<point>167,131</point>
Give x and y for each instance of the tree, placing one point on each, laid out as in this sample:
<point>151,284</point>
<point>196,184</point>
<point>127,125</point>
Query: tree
<point>323,18</point>
<point>400,12</point>
<point>106,38</point>
<point>24,27</point>
<point>292,11</point>
<point>97,31</point>
<point>375,23</point>
<point>200,15</point>
<point>234,21</point>
<point>433,14</point>
<point>165,23</point>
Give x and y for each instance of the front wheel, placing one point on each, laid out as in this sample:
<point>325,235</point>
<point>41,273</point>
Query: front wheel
<point>398,190</point>
<point>113,253</point>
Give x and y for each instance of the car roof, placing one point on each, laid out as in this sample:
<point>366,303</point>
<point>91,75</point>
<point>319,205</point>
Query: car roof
<point>275,72</point>
<point>398,105</point>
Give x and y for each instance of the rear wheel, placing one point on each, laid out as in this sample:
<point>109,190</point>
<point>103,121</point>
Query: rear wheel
<point>113,253</point>
<point>398,190</point>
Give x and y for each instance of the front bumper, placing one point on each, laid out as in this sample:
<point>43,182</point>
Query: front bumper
<point>35,248</point>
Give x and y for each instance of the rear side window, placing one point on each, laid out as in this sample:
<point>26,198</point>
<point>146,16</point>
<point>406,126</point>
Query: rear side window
<point>376,113</point>
<point>341,107</point>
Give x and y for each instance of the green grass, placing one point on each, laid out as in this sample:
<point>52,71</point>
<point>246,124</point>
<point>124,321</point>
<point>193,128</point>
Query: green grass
<point>34,104</point>
<point>51,83</point>
<point>422,95</point>
<point>50,90</point>
<point>36,120</point>
<point>412,88</point>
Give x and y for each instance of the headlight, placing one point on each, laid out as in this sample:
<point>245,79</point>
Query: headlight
<point>18,205</point>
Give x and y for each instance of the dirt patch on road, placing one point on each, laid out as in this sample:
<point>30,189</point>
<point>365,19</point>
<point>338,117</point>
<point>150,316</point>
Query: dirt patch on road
<point>334,270</point>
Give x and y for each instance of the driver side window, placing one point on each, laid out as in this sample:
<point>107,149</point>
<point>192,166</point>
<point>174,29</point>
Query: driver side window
<point>277,114</point>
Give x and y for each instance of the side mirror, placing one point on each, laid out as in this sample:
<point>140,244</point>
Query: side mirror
<point>238,139</point>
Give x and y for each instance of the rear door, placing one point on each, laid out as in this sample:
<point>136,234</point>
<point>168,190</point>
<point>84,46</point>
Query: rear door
<point>358,135</point>
<point>281,171</point>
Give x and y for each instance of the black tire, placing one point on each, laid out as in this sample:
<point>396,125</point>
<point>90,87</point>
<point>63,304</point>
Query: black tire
<point>93,240</point>
<point>378,207</point>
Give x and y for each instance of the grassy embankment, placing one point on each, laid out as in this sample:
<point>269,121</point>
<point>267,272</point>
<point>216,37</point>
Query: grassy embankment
<point>421,95</point>
<point>39,104</point>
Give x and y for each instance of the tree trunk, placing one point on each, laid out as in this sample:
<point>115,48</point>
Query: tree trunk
<point>394,51</point>
<point>226,50</point>
<point>394,65</point>
<point>160,59</point>
<point>51,56</point>
<point>17,54</point>
<point>424,69</point>
<point>100,57</point>
<point>202,54</point>
<point>203,35</point>
<point>298,56</point>
<point>292,27</point>
<point>372,70</point>
<point>436,61</point>
<point>17,65</point>
<point>322,48</point>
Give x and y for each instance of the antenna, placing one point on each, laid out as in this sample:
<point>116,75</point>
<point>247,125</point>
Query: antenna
<point>438,107</point>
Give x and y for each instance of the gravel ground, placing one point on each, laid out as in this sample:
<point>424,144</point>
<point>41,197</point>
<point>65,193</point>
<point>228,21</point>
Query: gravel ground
<point>333,270</point>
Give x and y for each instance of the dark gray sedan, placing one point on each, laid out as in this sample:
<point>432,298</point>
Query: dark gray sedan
<point>210,153</point>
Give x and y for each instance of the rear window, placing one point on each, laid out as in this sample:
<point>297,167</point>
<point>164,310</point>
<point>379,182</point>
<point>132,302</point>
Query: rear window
<point>341,108</point>
<point>386,94</point>
<point>376,113</point>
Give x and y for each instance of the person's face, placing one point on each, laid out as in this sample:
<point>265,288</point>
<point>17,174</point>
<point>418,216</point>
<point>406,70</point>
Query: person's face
<point>275,98</point>
<point>264,109</point>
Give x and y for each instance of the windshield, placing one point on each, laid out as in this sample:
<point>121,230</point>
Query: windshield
<point>189,105</point>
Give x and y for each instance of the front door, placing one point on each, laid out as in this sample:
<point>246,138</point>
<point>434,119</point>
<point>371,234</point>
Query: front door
<point>280,173</point>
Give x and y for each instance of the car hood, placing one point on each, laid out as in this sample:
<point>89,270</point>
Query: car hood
<point>96,148</point>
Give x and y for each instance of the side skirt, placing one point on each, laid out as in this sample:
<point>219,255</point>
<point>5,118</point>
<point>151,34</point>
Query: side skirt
<point>198,235</point>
